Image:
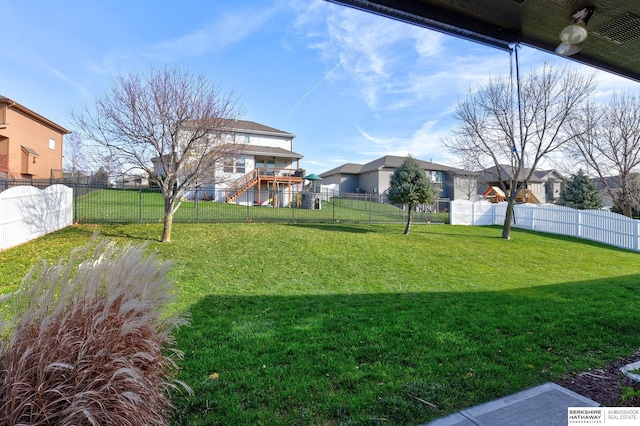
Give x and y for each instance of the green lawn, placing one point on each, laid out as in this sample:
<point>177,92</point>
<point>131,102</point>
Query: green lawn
<point>357,324</point>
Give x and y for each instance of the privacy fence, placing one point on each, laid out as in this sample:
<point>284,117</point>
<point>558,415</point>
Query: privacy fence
<point>27,212</point>
<point>596,225</point>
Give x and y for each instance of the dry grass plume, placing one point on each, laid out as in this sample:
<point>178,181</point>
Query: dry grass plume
<point>90,343</point>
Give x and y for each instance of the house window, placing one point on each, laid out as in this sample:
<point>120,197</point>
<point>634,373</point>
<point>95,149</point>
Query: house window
<point>234,165</point>
<point>52,143</point>
<point>240,165</point>
<point>271,165</point>
<point>433,176</point>
<point>247,138</point>
<point>228,165</point>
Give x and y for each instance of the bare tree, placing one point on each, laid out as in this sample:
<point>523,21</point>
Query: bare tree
<point>169,116</point>
<point>609,145</point>
<point>75,157</point>
<point>508,135</point>
<point>466,179</point>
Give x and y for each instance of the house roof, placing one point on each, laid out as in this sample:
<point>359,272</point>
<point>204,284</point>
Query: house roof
<point>345,169</point>
<point>386,162</point>
<point>546,174</point>
<point>393,162</point>
<point>268,151</point>
<point>614,27</point>
<point>507,173</point>
<point>29,151</point>
<point>243,126</point>
<point>33,115</point>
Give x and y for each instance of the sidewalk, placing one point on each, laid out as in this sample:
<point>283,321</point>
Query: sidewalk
<point>544,405</point>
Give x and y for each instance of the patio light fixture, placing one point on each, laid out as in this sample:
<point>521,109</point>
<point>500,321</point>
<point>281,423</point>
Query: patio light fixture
<point>572,36</point>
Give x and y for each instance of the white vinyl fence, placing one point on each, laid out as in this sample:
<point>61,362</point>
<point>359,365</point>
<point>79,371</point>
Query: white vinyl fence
<point>27,212</point>
<point>597,225</point>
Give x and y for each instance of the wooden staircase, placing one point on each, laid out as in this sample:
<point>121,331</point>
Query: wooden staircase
<point>242,185</point>
<point>257,176</point>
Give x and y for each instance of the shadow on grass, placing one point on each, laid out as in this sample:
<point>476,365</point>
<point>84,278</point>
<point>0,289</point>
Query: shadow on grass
<point>402,358</point>
<point>514,232</point>
<point>355,229</point>
<point>573,240</point>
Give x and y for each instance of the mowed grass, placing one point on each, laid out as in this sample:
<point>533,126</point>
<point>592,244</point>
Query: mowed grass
<point>358,324</point>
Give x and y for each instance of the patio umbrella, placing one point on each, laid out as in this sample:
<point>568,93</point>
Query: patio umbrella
<point>313,186</point>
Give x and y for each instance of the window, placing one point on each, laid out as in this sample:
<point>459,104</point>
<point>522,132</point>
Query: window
<point>271,165</point>
<point>234,165</point>
<point>433,176</point>
<point>247,138</point>
<point>240,166</point>
<point>52,143</point>
<point>228,166</point>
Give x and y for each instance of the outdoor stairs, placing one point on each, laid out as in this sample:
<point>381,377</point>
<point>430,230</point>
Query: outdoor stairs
<point>242,185</point>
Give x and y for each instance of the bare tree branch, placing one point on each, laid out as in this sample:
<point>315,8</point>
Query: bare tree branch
<point>490,135</point>
<point>609,145</point>
<point>167,115</point>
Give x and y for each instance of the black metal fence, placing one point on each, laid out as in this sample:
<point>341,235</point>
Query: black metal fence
<point>144,204</point>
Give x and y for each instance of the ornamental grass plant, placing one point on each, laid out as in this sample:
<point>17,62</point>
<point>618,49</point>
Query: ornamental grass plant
<point>90,342</point>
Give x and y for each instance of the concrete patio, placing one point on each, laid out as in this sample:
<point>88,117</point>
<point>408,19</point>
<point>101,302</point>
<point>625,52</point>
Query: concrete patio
<point>543,405</point>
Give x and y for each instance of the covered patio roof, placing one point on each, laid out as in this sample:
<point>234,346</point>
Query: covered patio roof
<point>613,43</point>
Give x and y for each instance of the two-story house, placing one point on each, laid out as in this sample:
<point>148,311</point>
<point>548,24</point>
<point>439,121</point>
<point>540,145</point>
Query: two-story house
<point>30,144</point>
<point>264,171</point>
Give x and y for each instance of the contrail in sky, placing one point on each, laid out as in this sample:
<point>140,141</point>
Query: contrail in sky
<point>345,59</point>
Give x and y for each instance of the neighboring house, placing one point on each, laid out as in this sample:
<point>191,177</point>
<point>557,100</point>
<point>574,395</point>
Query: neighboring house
<point>553,184</point>
<point>613,182</point>
<point>544,186</point>
<point>128,182</point>
<point>374,177</point>
<point>265,170</point>
<point>30,144</point>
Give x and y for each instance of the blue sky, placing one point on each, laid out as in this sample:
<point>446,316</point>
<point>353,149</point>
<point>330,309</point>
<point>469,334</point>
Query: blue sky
<point>351,85</point>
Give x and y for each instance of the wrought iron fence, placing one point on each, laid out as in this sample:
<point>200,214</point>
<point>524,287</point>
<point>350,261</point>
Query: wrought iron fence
<point>143,204</point>
<point>146,205</point>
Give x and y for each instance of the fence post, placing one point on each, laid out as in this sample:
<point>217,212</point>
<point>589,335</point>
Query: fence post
<point>578,225</point>
<point>333,209</point>
<point>533,216</point>
<point>195,205</point>
<point>636,237</point>
<point>140,215</point>
<point>75,202</point>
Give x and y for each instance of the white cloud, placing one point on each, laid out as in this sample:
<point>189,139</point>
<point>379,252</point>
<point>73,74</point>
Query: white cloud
<point>220,32</point>
<point>423,142</point>
<point>226,30</point>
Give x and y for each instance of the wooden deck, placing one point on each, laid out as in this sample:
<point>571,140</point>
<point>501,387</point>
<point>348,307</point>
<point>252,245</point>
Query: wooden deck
<point>259,176</point>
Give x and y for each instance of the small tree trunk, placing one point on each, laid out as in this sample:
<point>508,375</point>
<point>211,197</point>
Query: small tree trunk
<point>506,228</point>
<point>168,220</point>
<point>408,227</point>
